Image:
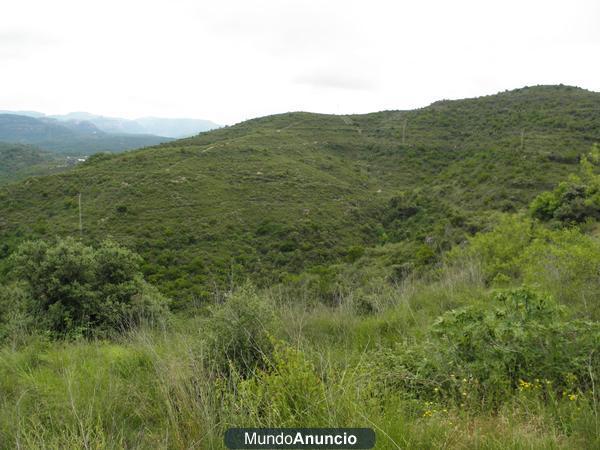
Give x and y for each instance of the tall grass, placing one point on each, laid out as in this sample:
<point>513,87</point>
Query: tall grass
<point>158,388</point>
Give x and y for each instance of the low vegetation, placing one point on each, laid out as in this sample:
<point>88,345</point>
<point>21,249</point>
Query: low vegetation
<point>445,363</point>
<point>438,322</point>
<point>277,196</point>
<point>461,355</point>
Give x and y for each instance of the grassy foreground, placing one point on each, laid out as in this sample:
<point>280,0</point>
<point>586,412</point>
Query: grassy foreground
<point>154,389</point>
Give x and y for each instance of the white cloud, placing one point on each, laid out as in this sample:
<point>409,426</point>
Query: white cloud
<point>235,59</point>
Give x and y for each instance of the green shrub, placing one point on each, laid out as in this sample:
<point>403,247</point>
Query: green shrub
<point>354,253</point>
<point>481,355</point>
<point>320,284</point>
<point>238,332</point>
<point>80,290</point>
<point>563,262</point>
<point>572,202</point>
<point>566,264</point>
<point>575,200</point>
<point>287,392</point>
<point>544,205</point>
<point>15,320</point>
<point>498,251</point>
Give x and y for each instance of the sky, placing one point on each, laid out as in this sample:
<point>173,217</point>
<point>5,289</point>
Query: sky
<point>231,60</point>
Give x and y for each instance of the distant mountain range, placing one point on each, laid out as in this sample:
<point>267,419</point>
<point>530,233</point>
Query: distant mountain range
<point>70,137</point>
<point>172,128</point>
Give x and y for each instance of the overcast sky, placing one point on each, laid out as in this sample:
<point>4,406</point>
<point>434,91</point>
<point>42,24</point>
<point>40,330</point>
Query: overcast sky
<point>230,60</point>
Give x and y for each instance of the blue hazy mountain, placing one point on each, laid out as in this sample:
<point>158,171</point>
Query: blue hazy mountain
<point>69,136</point>
<point>158,126</point>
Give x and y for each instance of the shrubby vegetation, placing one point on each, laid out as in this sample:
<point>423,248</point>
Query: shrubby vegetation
<point>480,355</point>
<point>563,263</point>
<point>334,281</point>
<point>287,392</point>
<point>238,333</point>
<point>16,322</point>
<point>575,200</point>
<point>512,366</point>
<point>277,196</point>
<point>18,161</point>
<point>68,288</point>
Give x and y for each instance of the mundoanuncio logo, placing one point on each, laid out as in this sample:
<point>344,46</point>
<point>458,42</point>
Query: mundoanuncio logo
<point>299,438</point>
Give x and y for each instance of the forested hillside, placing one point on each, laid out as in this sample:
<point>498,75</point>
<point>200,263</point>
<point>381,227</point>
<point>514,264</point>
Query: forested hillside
<point>282,194</point>
<point>20,161</point>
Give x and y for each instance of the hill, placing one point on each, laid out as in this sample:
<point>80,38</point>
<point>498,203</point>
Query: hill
<point>68,137</point>
<point>20,161</point>
<point>275,196</point>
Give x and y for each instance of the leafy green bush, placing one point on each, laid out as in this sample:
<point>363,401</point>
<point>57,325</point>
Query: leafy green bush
<point>566,264</point>
<point>575,200</point>
<point>499,250</point>
<point>238,332</point>
<point>320,284</point>
<point>563,262</point>
<point>572,201</point>
<point>287,392</point>
<point>480,355</point>
<point>80,290</point>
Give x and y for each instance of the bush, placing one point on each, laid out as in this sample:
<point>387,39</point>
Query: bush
<point>319,284</point>
<point>543,206</point>
<point>15,320</point>
<point>80,290</point>
<point>566,264</point>
<point>499,250</point>
<point>575,200</point>
<point>288,392</point>
<point>482,355</point>
<point>239,333</point>
<point>571,202</point>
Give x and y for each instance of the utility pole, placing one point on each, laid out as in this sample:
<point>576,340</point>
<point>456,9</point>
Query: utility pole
<point>80,221</point>
<point>404,132</point>
<point>522,139</point>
